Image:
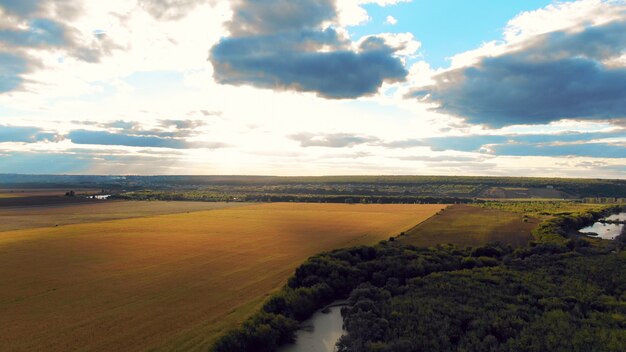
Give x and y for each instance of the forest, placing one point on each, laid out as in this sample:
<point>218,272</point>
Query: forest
<point>556,295</point>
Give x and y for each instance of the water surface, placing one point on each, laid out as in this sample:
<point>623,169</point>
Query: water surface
<point>319,334</point>
<point>607,231</point>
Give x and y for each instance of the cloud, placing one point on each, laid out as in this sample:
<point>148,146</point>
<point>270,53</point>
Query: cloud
<point>204,112</point>
<point>12,67</point>
<point>42,163</point>
<point>289,45</point>
<point>40,32</point>
<point>597,150</point>
<point>21,8</point>
<point>170,9</point>
<point>108,138</point>
<point>253,17</point>
<point>26,134</point>
<point>441,158</point>
<point>183,124</point>
<point>591,144</point>
<point>28,8</point>
<point>85,161</point>
<point>167,128</point>
<point>584,144</point>
<point>391,20</point>
<point>32,29</point>
<point>406,143</point>
<point>334,140</point>
<point>121,125</point>
<point>545,78</point>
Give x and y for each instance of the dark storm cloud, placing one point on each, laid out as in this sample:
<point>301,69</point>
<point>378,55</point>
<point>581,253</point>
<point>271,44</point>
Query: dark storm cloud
<point>282,46</point>
<point>555,76</point>
<point>26,134</point>
<point>108,138</point>
<point>333,140</point>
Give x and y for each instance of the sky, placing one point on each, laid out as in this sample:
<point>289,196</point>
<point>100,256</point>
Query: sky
<point>313,87</point>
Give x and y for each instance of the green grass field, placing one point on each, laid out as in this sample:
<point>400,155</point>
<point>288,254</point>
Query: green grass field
<point>465,225</point>
<point>540,208</point>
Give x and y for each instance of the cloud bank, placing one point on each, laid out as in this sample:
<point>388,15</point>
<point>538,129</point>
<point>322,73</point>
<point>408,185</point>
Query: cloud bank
<point>172,134</point>
<point>574,74</point>
<point>588,144</point>
<point>333,140</point>
<point>121,139</point>
<point>30,27</point>
<point>289,45</point>
<point>26,134</point>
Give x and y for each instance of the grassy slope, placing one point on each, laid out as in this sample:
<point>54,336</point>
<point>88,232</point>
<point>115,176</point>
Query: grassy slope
<point>465,225</point>
<point>170,282</point>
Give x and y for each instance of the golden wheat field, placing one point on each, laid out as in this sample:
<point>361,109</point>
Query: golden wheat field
<point>168,282</point>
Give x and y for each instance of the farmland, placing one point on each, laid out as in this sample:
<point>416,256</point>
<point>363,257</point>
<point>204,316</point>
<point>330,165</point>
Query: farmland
<point>465,225</point>
<point>167,282</point>
<point>58,214</point>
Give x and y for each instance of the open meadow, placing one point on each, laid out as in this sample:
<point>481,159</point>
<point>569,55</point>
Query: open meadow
<point>465,225</point>
<point>168,282</point>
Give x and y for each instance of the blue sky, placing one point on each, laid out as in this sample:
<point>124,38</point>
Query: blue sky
<point>446,27</point>
<point>508,87</point>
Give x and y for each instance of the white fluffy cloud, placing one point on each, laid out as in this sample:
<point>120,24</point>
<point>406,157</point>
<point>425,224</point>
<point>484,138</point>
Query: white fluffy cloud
<point>159,71</point>
<point>561,16</point>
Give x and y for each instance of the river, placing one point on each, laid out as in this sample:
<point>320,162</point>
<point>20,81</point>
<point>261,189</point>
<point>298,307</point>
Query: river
<point>320,333</point>
<point>606,231</point>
